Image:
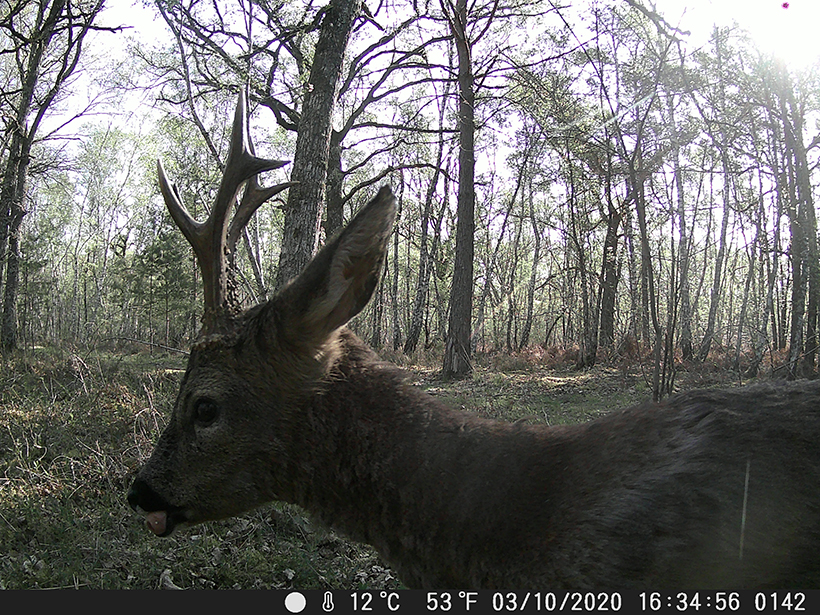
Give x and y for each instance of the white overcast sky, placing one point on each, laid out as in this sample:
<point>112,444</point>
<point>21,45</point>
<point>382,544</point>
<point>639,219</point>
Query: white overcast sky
<point>789,29</point>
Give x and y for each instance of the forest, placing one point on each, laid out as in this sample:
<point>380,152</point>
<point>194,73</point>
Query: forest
<point>579,183</point>
<point>624,191</point>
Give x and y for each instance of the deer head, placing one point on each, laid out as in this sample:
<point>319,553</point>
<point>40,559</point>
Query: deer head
<point>225,449</point>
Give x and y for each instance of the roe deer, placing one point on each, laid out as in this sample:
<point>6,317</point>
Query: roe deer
<point>716,489</point>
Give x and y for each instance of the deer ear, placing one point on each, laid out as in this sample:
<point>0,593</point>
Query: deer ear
<point>341,278</point>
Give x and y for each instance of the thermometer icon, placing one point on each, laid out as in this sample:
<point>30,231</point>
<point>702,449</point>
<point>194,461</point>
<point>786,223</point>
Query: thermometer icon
<point>327,603</point>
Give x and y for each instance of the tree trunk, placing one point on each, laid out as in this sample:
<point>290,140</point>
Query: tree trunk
<point>536,257</point>
<point>714,297</point>
<point>609,276</point>
<point>252,250</point>
<point>808,220</point>
<point>394,299</point>
<point>633,330</point>
<point>436,274</point>
<point>511,337</point>
<point>334,218</point>
<point>803,224</point>
<point>647,274</point>
<point>423,281</point>
<point>9,325</point>
<point>493,260</point>
<point>744,305</point>
<point>589,316</point>
<point>723,144</point>
<point>685,309</point>
<point>457,352</point>
<point>303,212</point>
<point>761,340</point>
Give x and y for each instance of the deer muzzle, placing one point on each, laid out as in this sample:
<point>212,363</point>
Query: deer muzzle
<point>160,517</point>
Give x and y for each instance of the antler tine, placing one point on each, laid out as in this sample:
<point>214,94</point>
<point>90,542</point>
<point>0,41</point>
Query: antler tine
<point>198,234</point>
<point>190,228</point>
<point>252,199</point>
<point>241,164</point>
<point>210,239</point>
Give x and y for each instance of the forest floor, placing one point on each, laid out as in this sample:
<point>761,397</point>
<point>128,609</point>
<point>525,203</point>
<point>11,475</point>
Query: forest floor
<point>75,427</point>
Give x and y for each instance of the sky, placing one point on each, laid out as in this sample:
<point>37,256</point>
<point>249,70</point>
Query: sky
<point>786,28</point>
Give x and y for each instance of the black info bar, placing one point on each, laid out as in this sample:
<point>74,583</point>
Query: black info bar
<point>385,602</point>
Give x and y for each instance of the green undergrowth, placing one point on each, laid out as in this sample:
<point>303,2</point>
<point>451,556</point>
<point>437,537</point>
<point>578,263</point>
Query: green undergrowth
<point>75,427</point>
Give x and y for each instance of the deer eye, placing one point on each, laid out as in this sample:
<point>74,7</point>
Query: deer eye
<point>206,412</point>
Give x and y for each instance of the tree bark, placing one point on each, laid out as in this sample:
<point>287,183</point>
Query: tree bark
<point>9,325</point>
<point>457,352</point>
<point>721,142</point>
<point>423,281</point>
<point>303,212</point>
<point>589,315</point>
<point>334,217</point>
<point>808,219</point>
<point>803,225</point>
<point>715,294</point>
<point>13,189</point>
<point>609,274</point>
<point>536,258</point>
<point>685,310</point>
<point>648,276</point>
<point>394,299</point>
<point>512,341</point>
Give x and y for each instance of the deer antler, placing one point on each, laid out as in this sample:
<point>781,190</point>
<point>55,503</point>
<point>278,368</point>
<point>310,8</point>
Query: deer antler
<point>214,241</point>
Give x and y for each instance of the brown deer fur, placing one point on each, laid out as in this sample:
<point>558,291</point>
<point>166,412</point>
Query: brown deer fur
<point>713,489</point>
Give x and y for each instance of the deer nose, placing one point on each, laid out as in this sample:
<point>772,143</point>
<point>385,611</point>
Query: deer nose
<point>142,497</point>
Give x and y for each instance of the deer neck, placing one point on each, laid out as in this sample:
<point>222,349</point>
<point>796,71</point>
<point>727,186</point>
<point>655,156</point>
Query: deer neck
<point>388,465</point>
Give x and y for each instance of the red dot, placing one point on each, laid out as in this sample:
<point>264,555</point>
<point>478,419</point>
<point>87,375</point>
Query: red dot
<point>785,5</point>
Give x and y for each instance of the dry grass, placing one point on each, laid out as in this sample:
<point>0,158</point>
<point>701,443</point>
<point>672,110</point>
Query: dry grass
<point>74,428</point>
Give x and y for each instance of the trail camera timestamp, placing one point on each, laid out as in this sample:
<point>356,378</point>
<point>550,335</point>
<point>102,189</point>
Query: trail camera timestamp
<point>723,602</point>
<point>485,602</point>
